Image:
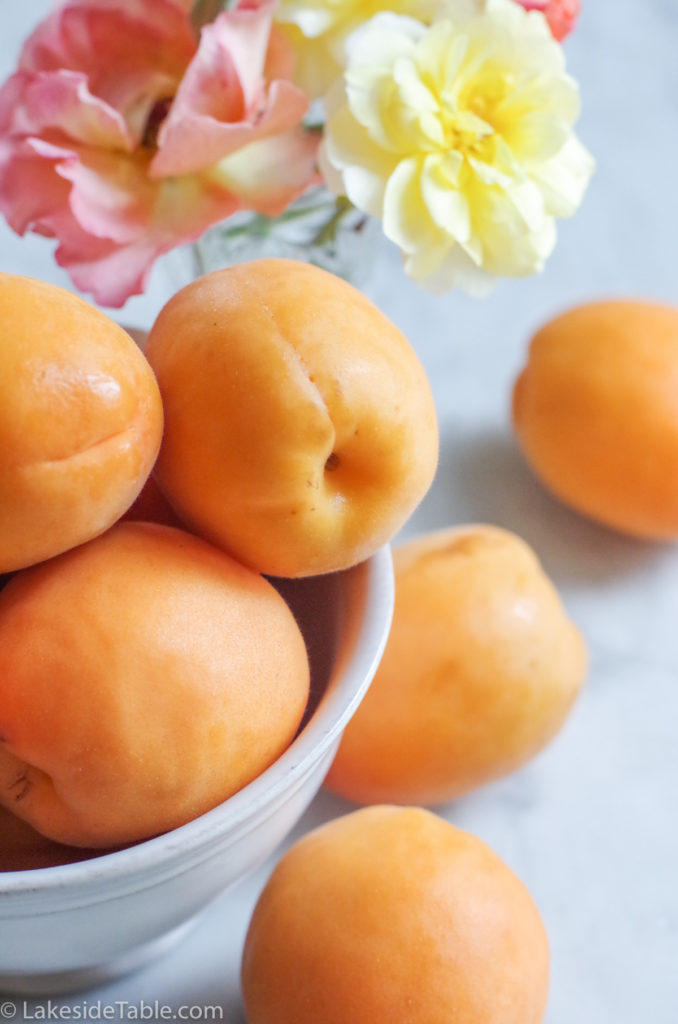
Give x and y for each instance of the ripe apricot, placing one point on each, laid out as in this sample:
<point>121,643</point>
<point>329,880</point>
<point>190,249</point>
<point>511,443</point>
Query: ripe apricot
<point>144,677</point>
<point>392,914</point>
<point>80,421</point>
<point>300,430</point>
<point>480,671</point>
<point>596,414</point>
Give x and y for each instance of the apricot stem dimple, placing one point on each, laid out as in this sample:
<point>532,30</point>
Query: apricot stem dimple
<point>21,786</point>
<point>332,462</point>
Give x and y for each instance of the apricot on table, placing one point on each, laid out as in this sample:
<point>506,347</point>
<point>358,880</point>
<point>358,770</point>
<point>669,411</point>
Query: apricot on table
<point>300,429</point>
<point>80,421</point>
<point>480,671</point>
<point>144,678</point>
<point>595,411</point>
<point>392,914</point>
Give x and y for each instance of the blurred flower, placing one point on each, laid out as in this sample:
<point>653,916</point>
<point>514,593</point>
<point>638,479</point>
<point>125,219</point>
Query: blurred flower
<point>561,14</point>
<point>458,136</point>
<point>122,136</point>
<point>319,30</point>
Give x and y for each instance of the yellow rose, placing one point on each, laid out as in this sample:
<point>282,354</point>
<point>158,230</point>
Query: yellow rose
<point>318,30</point>
<point>458,136</point>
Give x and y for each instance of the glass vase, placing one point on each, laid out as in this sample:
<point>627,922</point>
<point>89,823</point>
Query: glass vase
<point>318,228</point>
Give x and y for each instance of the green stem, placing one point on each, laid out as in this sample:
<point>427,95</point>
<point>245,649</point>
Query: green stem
<point>199,260</point>
<point>327,233</point>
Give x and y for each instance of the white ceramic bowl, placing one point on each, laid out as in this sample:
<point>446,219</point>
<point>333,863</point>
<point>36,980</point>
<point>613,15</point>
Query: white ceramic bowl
<point>68,927</point>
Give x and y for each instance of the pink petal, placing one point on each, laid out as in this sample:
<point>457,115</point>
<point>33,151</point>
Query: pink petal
<point>30,190</point>
<point>196,143</point>
<point>61,100</point>
<point>280,56</point>
<point>270,173</point>
<point>132,52</point>
<point>220,106</point>
<point>112,196</point>
<point>182,212</point>
<point>11,98</point>
<point>110,273</point>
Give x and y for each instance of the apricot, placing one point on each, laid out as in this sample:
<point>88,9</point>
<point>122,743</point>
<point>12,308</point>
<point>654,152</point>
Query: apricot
<point>479,673</point>
<point>80,421</point>
<point>300,426</point>
<point>144,677</point>
<point>596,414</point>
<point>392,914</point>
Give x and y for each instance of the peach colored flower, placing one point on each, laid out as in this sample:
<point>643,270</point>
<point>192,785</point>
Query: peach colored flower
<point>561,14</point>
<point>122,135</point>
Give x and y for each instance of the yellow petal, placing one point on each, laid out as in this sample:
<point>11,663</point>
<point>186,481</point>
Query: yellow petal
<point>446,204</point>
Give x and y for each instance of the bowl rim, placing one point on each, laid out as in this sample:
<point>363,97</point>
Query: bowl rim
<point>289,770</point>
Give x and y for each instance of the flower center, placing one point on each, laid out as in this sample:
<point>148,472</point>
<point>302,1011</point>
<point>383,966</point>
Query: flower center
<point>469,118</point>
<point>157,115</point>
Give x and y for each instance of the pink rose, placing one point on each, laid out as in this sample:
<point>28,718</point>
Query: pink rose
<point>560,14</point>
<point>122,135</point>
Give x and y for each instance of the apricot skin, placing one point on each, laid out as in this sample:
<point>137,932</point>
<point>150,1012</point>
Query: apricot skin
<point>595,412</point>
<point>392,914</point>
<point>144,677</point>
<point>300,426</point>
<point>80,421</point>
<point>479,673</point>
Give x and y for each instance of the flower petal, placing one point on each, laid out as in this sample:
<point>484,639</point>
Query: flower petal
<point>455,269</point>
<point>61,101</point>
<point>269,173</point>
<point>111,195</point>
<point>223,102</point>
<point>363,165</point>
<point>462,132</point>
<point>31,193</point>
<point>132,52</point>
<point>446,203</point>
<point>564,178</point>
<point>407,221</point>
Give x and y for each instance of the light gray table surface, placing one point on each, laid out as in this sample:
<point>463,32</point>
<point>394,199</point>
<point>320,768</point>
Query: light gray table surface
<point>591,824</point>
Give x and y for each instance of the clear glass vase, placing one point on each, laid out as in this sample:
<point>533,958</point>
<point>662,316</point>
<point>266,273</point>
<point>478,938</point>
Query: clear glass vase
<point>318,228</point>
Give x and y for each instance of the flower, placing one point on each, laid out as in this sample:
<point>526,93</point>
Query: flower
<point>561,14</point>
<point>458,136</point>
<point>123,135</point>
<point>319,29</point>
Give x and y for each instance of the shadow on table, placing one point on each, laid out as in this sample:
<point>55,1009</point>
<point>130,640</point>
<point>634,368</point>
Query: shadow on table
<point>483,478</point>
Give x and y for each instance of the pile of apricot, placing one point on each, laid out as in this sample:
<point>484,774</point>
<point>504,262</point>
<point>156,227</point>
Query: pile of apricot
<point>149,670</point>
<point>276,424</point>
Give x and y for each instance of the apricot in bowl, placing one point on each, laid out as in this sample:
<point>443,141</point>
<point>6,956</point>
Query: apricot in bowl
<point>145,676</point>
<point>300,428</point>
<point>78,924</point>
<point>80,421</point>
